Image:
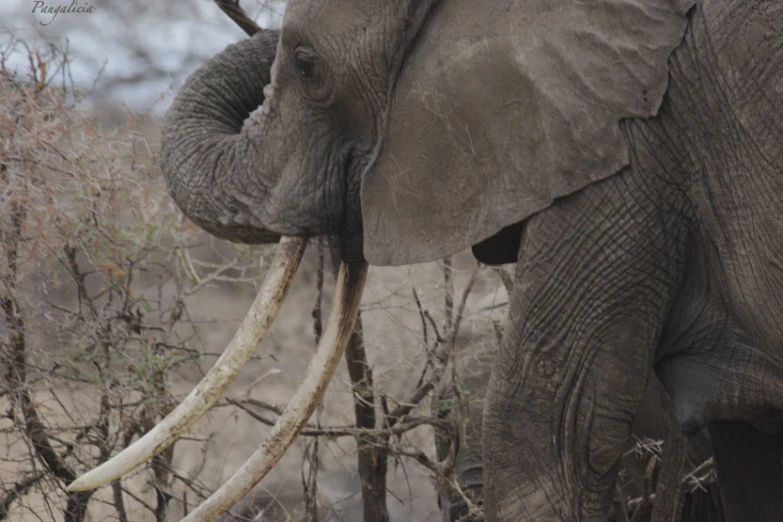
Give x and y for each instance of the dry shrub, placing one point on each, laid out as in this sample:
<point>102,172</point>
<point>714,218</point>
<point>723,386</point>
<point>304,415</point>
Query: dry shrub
<point>95,268</point>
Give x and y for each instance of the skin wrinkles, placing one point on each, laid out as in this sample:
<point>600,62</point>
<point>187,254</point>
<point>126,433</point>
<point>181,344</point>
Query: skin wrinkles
<point>352,164</point>
<point>594,255</point>
<point>717,187</point>
<point>331,50</point>
<point>747,211</point>
<point>336,178</point>
<point>594,322</point>
<point>704,341</point>
<point>369,70</point>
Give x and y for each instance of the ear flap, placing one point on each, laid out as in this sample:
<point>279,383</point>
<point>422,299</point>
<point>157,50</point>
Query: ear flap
<point>503,106</point>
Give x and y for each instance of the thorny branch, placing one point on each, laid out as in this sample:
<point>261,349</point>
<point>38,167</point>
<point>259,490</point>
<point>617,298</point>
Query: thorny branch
<point>671,464</point>
<point>16,375</point>
<point>16,491</point>
<point>87,332</point>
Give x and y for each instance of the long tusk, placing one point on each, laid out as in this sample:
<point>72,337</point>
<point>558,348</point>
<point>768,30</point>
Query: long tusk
<point>345,306</point>
<point>243,345</point>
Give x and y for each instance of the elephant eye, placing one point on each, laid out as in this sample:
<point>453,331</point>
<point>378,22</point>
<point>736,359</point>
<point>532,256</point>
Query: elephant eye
<point>305,63</point>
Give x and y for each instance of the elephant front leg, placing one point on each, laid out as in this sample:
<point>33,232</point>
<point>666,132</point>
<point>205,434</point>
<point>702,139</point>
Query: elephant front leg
<point>590,299</point>
<point>558,425</point>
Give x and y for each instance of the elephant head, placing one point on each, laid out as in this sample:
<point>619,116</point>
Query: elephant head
<point>416,121</point>
<point>272,136</point>
<point>410,129</point>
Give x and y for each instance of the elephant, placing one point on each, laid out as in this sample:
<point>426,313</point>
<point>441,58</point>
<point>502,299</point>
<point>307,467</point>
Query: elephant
<point>627,155</point>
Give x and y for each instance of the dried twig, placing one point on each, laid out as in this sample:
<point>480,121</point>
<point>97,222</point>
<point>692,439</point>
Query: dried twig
<point>16,491</point>
<point>448,283</point>
<point>77,236</point>
<point>17,373</point>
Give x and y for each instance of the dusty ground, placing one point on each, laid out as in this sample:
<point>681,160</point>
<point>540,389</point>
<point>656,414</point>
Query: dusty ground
<point>394,342</point>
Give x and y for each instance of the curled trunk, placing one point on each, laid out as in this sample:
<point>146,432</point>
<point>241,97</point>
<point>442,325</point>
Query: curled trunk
<point>216,173</point>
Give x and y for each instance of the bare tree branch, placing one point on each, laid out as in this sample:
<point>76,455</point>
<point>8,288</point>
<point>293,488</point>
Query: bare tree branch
<point>448,283</point>
<point>18,490</point>
<point>239,16</point>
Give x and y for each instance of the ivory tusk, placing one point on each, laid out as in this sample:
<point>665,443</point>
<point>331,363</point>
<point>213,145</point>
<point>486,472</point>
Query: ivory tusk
<point>345,306</point>
<point>242,346</point>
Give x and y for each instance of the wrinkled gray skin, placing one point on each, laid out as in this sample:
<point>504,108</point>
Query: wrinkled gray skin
<point>472,372</point>
<point>674,258</point>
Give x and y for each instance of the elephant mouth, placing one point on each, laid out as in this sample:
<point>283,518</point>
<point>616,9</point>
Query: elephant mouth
<point>350,283</point>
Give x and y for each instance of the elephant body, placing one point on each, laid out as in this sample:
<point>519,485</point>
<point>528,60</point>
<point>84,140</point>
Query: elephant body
<point>626,154</point>
<point>676,263</point>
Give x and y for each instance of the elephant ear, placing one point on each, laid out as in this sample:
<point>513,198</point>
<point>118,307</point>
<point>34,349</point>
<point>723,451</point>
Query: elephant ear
<point>503,106</point>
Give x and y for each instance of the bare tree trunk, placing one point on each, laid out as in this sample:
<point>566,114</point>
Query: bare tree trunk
<point>373,451</point>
